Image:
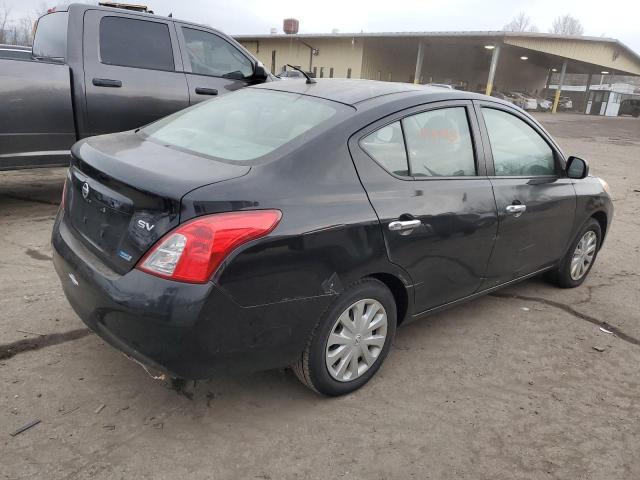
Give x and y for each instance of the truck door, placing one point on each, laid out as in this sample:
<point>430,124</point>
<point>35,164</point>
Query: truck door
<point>133,71</point>
<point>212,63</point>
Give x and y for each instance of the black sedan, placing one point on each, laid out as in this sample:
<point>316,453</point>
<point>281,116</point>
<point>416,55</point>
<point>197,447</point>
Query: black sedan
<point>297,224</point>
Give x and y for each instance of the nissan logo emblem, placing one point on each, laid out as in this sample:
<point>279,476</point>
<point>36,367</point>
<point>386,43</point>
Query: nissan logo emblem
<point>85,190</point>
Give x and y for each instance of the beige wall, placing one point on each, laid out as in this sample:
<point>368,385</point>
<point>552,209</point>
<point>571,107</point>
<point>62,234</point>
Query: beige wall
<point>605,54</point>
<point>337,53</point>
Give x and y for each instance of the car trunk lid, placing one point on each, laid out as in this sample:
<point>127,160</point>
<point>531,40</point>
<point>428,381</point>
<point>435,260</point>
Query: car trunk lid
<point>124,193</point>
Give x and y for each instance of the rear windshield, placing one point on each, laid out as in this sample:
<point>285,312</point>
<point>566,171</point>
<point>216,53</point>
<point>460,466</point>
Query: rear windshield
<point>50,41</point>
<point>243,125</point>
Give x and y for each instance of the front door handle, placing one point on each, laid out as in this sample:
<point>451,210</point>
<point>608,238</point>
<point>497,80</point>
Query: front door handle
<point>403,225</point>
<point>206,91</point>
<point>516,210</point>
<point>106,82</point>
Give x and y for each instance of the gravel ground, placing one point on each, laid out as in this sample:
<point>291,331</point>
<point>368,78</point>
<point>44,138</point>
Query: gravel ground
<point>509,386</point>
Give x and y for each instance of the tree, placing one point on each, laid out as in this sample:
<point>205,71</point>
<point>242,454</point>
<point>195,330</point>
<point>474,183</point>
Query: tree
<point>566,25</point>
<point>4,21</point>
<point>520,23</point>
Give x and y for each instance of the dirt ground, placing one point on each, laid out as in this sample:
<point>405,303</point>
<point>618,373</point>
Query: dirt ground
<point>506,387</point>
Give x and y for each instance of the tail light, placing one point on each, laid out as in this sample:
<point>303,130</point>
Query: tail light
<point>194,251</point>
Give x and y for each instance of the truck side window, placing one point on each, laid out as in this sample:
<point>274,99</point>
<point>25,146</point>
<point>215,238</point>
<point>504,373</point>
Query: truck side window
<point>211,55</point>
<point>135,43</point>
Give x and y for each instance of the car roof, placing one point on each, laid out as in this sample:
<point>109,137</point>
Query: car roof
<point>355,91</point>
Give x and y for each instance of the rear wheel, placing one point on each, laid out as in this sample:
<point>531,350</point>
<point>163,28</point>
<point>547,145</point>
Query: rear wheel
<point>350,341</point>
<point>580,258</point>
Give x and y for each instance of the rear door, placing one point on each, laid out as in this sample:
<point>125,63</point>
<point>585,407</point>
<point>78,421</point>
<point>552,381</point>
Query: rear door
<point>536,202</point>
<point>426,179</point>
<point>133,71</point>
<point>213,64</point>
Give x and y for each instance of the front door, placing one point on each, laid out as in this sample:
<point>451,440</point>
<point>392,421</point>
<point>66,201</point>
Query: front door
<point>536,202</point>
<point>427,182</point>
<point>213,65</point>
<point>132,71</point>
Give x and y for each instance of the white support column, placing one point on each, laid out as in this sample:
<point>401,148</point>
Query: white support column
<point>556,99</point>
<point>492,69</point>
<point>419,60</point>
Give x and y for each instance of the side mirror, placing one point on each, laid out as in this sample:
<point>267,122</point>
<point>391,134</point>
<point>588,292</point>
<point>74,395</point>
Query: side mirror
<point>260,73</point>
<point>577,168</point>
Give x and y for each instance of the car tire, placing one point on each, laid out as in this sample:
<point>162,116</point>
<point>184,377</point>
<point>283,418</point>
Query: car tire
<point>566,275</point>
<point>315,368</point>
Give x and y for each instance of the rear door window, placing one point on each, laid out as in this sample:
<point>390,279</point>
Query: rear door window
<point>439,143</point>
<point>386,147</point>
<point>518,150</point>
<point>135,43</point>
<point>211,55</point>
<point>50,41</point>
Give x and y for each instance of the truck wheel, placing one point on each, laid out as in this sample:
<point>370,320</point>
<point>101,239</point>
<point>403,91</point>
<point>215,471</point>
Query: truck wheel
<point>576,265</point>
<point>350,341</point>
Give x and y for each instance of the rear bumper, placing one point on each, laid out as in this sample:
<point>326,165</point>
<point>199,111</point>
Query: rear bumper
<point>185,330</point>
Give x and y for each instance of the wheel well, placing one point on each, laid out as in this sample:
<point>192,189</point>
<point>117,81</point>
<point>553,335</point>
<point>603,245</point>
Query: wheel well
<point>601,218</point>
<point>398,290</point>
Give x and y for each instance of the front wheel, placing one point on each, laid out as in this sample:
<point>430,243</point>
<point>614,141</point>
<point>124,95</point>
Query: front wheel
<point>580,258</point>
<point>350,341</point>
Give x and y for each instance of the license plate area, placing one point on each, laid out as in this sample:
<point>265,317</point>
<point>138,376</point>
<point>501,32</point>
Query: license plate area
<point>100,214</point>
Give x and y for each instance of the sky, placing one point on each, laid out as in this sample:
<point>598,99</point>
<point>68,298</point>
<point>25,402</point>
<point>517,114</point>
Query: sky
<point>620,21</point>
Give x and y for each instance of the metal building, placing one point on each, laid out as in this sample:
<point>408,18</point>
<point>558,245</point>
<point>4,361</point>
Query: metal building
<point>476,61</point>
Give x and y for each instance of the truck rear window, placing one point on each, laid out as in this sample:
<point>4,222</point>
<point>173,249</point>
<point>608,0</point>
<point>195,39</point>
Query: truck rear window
<point>243,125</point>
<point>135,43</point>
<point>50,42</point>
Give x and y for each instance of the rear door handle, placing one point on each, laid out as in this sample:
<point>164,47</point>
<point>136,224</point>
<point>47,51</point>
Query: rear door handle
<point>516,210</point>
<point>206,91</point>
<point>106,82</point>
<point>402,225</point>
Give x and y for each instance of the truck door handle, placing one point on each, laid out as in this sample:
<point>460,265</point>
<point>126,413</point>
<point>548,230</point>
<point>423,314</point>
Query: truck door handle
<point>106,82</point>
<point>206,91</point>
<point>516,210</point>
<point>403,225</point>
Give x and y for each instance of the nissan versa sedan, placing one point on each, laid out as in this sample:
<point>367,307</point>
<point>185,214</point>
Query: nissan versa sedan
<point>298,224</point>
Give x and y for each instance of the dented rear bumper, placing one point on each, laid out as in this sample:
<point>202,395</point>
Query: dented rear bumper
<point>184,330</point>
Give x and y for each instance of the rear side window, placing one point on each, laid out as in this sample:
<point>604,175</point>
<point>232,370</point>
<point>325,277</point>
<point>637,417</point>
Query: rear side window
<point>386,146</point>
<point>518,150</point>
<point>135,43</point>
<point>439,143</point>
<point>212,55</point>
<point>50,41</point>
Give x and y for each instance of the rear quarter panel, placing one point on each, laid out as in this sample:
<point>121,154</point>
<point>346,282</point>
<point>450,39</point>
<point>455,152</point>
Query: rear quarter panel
<point>329,235</point>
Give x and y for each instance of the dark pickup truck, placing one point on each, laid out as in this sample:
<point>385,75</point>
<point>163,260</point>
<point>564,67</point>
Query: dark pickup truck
<point>96,70</point>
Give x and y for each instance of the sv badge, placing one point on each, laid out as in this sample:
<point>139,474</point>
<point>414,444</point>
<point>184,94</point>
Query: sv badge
<point>146,225</point>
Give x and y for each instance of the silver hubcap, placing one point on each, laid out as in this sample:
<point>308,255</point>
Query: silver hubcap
<point>583,255</point>
<point>356,340</point>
